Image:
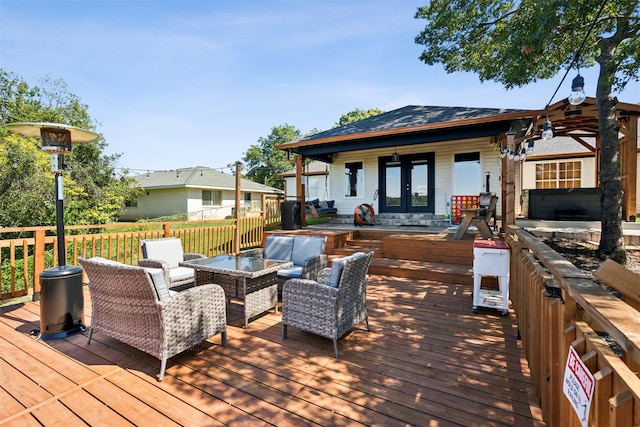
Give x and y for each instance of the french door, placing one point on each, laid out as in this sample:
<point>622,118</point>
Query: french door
<point>407,185</point>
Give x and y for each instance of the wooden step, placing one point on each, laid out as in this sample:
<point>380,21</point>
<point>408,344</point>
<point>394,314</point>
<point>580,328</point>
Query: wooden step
<point>419,270</point>
<point>370,243</point>
<point>350,250</point>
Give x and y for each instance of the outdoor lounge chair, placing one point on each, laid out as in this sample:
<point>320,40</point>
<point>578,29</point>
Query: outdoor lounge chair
<point>331,306</point>
<point>134,305</point>
<point>166,253</point>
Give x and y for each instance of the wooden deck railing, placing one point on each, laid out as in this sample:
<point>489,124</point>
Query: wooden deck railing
<point>558,306</point>
<point>23,258</point>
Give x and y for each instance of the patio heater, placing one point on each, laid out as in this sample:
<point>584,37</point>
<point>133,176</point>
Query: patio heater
<point>61,297</point>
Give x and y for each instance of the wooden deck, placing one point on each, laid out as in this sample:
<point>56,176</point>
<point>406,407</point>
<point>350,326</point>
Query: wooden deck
<point>427,361</point>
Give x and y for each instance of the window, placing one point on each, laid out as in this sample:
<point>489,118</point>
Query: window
<point>211,198</point>
<point>131,202</point>
<point>247,197</point>
<point>466,174</point>
<point>354,179</point>
<point>559,175</point>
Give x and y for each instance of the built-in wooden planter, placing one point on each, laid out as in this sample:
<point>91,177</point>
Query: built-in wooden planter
<point>429,248</point>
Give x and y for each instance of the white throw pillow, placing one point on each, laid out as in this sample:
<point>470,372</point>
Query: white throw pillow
<point>157,277</point>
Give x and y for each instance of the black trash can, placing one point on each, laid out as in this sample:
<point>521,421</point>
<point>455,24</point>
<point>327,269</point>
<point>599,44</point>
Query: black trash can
<point>290,215</point>
<point>61,302</point>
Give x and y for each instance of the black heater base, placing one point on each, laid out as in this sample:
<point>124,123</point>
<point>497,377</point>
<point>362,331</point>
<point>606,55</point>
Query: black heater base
<point>61,302</point>
<point>62,334</point>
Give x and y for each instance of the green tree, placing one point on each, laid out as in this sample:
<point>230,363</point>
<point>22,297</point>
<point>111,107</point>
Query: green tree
<point>357,115</point>
<point>516,43</point>
<point>263,161</point>
<point>93,192</point>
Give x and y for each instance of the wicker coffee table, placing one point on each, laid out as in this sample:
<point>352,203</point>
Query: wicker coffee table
<point>252,280</point>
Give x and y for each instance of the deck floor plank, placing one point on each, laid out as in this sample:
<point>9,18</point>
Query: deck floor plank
<point>96,412</point>
<point>428,360</point>
<point>143,408</point>
<point>56,414</point>
<point>8,404</point>
<point>55,373</point>
<point>297,380</point>
<point>20,386</point>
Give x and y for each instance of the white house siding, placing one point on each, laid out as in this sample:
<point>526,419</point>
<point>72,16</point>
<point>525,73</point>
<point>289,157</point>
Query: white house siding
<point>157,203</point>
<point>315,188</point>
<point>197,212</point>
<point>444,159</point>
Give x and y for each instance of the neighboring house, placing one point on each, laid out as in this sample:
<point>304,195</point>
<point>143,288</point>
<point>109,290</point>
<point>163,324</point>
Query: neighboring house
<point>200,193</point>
<point>315,179</point>
<point>413,159</point>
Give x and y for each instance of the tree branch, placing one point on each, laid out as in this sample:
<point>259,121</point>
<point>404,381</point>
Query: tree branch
<point>501,18</point>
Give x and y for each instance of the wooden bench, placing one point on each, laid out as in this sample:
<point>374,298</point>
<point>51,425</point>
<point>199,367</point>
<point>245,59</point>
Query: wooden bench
<point>622,280</point>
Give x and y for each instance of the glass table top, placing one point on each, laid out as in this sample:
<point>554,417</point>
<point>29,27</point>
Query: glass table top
<point>238,263</point>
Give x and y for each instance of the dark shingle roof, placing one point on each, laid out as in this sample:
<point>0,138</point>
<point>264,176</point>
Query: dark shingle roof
<point>411,116</point>
<point>199,177</point>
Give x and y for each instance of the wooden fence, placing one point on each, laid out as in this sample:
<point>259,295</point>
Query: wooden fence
<point>558,306</point>
<point>22,258</point>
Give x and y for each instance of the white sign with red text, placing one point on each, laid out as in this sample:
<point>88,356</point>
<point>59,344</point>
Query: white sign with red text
<point>578,386</point>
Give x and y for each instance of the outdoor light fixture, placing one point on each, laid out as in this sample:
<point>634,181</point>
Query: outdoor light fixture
<point>547,132</point>
<point>395,157</point>
<point>577,96</point>
<point>523,154</point>
<point>530,146</point>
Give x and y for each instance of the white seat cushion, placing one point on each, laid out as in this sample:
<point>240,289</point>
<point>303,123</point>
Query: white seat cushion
<point>105,261</point>
<point>181,273</point>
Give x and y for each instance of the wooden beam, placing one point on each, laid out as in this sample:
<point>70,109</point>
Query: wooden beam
<point>582,142</point>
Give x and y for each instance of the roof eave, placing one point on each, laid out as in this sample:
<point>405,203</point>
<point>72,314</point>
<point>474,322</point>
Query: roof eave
<point>410,130</point>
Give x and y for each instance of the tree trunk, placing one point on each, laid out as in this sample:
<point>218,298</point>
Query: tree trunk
<point>611,237</point>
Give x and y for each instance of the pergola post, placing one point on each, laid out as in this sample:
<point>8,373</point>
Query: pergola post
<point>300,188</point>
<point>628,165</point>
<point>509,185</point>
<point>237,236</point>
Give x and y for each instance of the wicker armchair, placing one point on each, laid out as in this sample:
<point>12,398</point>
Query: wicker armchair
<point>166,253</point>
<point>126,306</point>
<point>325,310</point>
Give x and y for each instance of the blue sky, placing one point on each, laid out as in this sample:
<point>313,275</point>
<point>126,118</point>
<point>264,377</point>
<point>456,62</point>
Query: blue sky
<point>176,84</point>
